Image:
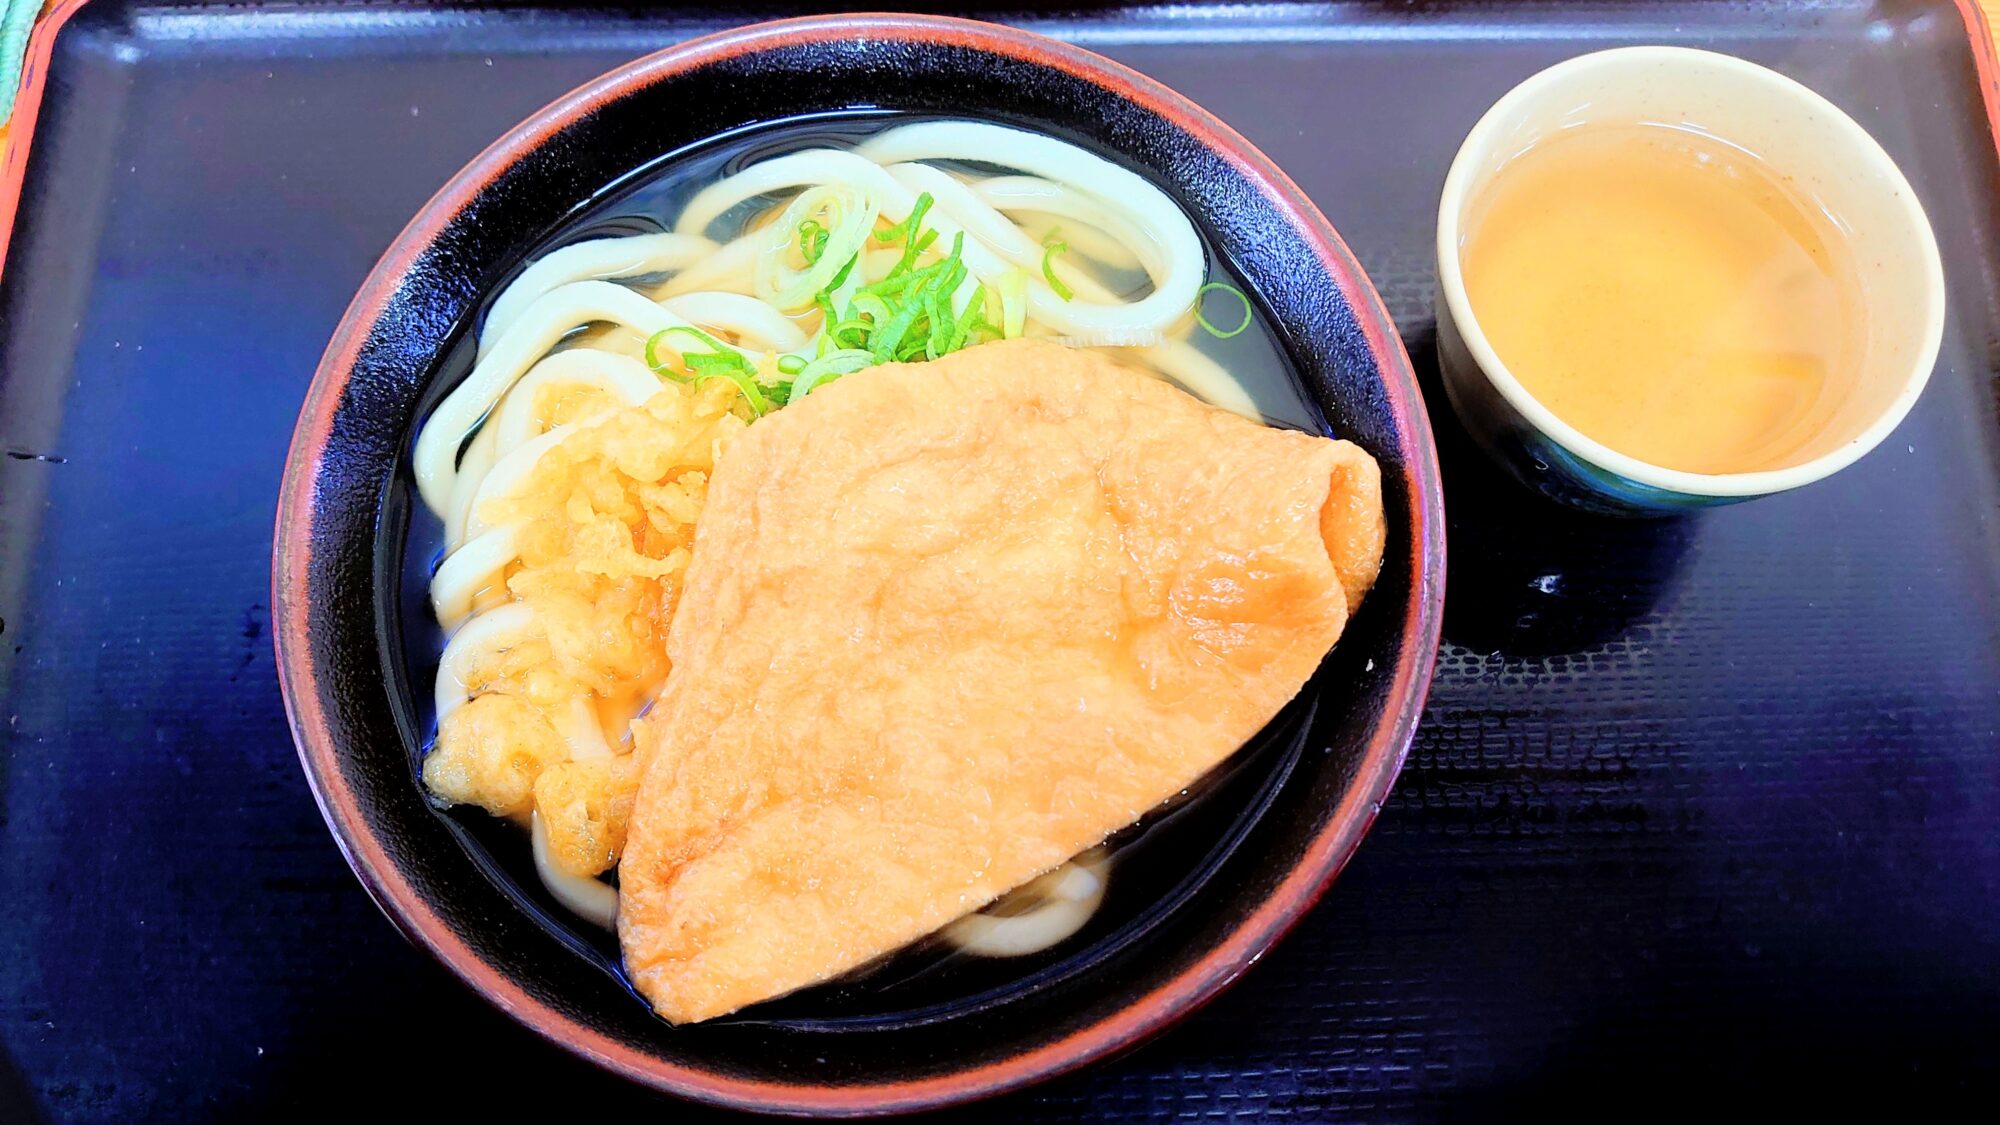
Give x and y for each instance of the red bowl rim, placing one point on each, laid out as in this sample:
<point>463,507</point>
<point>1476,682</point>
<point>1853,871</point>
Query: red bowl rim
<point>1144,1015</point>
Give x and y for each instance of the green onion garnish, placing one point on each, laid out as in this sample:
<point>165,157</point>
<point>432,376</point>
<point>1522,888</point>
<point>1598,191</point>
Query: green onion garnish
<point>720,361</point>
<point>1232,291</point>
<point>752,394</point>
<point>827,368</point>
<point>972,320</point>
<point>888,339</point>
<point>906,315</point>
<point>852,332</point>
<point>840,275</point>
<point>1049,251</point>
<point>812,241</point>
<point>717,351</point>
<point>713,345</point>
<point>910,222</point>
<point>1013,303</point>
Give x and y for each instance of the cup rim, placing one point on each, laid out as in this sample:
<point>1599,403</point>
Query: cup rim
<point>1459,183</point>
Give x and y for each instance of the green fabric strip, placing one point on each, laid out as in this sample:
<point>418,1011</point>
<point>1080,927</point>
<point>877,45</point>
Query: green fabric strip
<point>17,18</point>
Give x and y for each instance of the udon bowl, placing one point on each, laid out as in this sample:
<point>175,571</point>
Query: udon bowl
<point>340,533</point>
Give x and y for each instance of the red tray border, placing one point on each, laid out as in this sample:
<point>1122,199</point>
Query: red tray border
<point>27,108</point>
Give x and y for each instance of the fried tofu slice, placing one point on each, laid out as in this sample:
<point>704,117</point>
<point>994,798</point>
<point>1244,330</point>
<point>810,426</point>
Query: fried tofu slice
<point>948,624</point>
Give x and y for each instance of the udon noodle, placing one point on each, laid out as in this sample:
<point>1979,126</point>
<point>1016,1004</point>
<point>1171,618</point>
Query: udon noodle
<point>772,281</point>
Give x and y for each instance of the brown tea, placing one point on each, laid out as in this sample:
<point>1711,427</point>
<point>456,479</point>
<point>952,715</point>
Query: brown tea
<point>1667,294</point>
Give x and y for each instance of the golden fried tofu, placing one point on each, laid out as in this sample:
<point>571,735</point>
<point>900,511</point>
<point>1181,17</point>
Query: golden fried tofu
<point>945,626</point>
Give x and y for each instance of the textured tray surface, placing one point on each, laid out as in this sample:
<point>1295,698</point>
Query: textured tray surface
<point>1698,807</point>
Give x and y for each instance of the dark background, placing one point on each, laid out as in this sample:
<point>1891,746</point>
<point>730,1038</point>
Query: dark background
<point>1703,812</point>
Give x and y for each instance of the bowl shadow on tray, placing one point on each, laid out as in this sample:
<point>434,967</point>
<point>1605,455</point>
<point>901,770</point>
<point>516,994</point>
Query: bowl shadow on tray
<point>1531,578</point>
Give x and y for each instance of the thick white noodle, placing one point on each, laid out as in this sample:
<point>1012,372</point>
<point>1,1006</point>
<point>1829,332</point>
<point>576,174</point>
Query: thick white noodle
<point>817,167</point>
<point>1073,893</point>
<point>950,196</point>
<point>619,377</point>
<point>756,325</point>
<point>509,471</point>
<point>464,574</point>
<point>811,168</point>
<point>1104,235</point>
<point>850,218</point>
<point>580,729</point>
<point>731,269</point>
<point>1179,257</point>
<point>552,316</point>
<point>600,259</point>
<point>589,899</point>
<point>1182,363</point>
<point>497,629</point>
<point>479,458</point>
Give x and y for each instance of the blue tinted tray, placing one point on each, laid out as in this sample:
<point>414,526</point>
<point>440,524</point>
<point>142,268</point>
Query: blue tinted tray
<point>1701,811</point>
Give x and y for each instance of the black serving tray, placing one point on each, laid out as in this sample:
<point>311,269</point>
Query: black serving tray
<point>1701,810</point>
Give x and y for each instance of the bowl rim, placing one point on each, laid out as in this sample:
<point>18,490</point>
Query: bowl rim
<point>1143,1014</point>
<point>1459,185</point>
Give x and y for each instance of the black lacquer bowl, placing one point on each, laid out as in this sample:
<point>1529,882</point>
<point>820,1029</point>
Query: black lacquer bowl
<point>341,523</point>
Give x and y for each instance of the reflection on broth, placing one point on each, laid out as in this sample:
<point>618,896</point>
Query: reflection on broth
<point>1667,294</point>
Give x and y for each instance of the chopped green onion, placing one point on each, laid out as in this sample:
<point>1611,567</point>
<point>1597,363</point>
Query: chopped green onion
<point>915,238</point>
<point>850,332</point>
<point>827,368</point>
<point>1049,251</point>
<point>718,352</point>
<point>889,338</point>
<point>652,358</point>
<point>1232,291</point>
<point>752,393</point>
<point>896,283</point>
<point>973,319</point>
<point>840,276</point>
<point>707,364</point>
<point>720,361</point>
<point>871,306</point>
<point>713,345</point>
<point>910,222</point>
<point>823,299</point>
<point>906,315</point>
<point>812,241</point>
<point>1013,303</point>
<point>938,313</point>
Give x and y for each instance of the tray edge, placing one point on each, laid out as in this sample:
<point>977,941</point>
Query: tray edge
<point>42,42</point>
